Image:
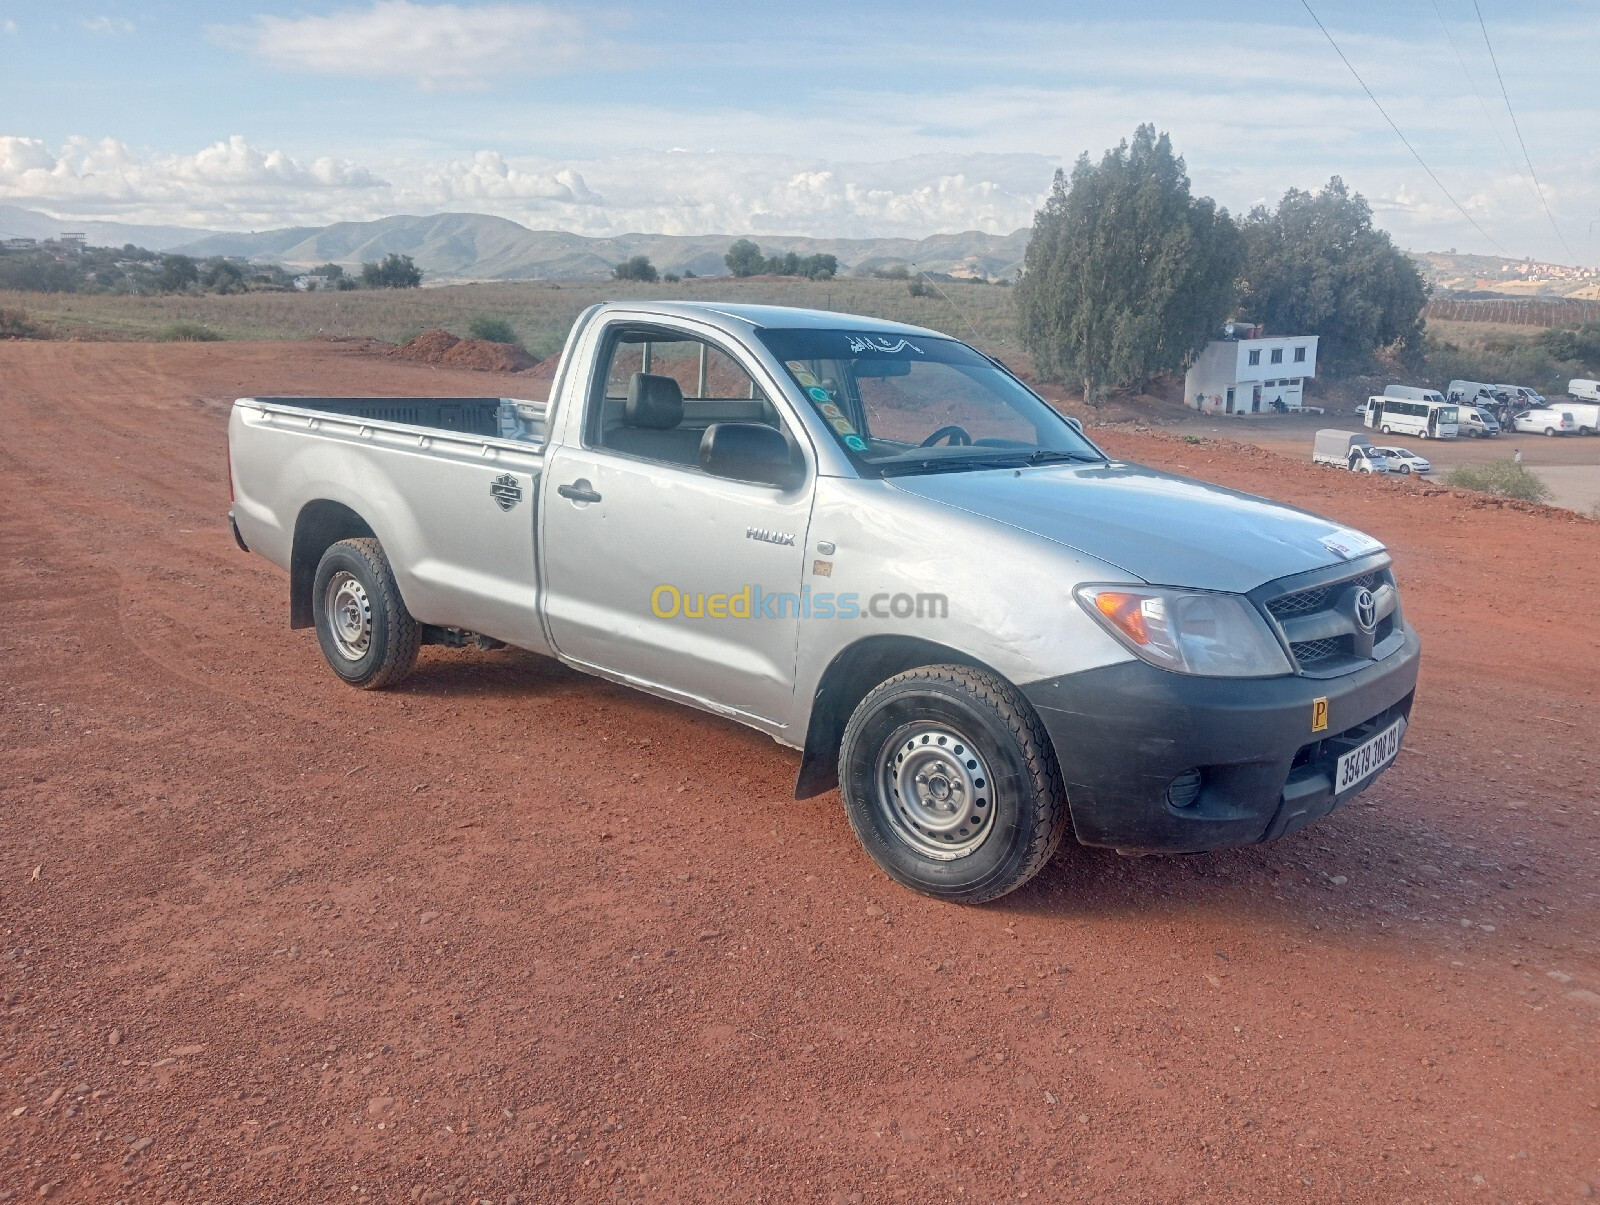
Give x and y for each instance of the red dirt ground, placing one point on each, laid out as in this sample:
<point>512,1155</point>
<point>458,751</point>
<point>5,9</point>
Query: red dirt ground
<point>511,933</point>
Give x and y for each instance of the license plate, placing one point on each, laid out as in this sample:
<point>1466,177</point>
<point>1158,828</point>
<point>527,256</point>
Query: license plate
<point>1368,758</point>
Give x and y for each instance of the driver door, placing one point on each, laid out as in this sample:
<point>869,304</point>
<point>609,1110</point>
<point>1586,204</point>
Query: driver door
<point>659,573</point>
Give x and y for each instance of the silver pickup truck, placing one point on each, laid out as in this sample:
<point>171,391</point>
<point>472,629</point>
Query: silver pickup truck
<point>879,547</point>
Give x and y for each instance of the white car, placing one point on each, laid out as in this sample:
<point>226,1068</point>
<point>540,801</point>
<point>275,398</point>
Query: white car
<point>1404,460</point>
<point>1545,422</point>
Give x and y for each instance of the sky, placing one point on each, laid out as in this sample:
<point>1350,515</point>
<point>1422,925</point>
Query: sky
<point>828,118</point>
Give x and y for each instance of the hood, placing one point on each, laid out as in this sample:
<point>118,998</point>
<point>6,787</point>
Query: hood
<point>1166,530</point>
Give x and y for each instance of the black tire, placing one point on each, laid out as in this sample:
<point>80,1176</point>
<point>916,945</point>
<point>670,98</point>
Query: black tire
<point>1405,470</point>
<point>1015,793</point>
<point>1550,431</point>
<point>380,648</point>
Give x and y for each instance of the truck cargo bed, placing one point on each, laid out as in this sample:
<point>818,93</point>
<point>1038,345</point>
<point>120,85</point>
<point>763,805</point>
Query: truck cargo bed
<point>505,418</point>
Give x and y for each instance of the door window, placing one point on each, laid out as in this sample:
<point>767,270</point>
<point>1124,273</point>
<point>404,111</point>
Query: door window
<point>663,389</point>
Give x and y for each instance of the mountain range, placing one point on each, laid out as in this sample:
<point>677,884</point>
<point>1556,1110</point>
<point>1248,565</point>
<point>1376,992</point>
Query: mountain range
<point>476,246</point>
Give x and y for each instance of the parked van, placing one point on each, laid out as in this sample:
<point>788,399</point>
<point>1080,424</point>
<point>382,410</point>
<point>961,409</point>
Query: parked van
<point>1522,397</point>
<point>1403,416</point>
<point>1584,391</point>
<point>1475,423</point>
<point>1546,422</point>
<point>1585,414</point>
<point>1470,391</point>
<point>1413,393</point>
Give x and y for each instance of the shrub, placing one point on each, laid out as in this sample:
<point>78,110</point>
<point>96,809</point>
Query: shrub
<point>396,271</point>
<point>492,330</point>
<point>637,267</point>
<point>916,288</point>
<point>187,332</point>
<point>1503,478</point>
<point>15,324</point>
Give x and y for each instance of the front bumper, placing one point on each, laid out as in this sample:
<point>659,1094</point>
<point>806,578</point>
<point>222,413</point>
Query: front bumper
<point>1124,732</point>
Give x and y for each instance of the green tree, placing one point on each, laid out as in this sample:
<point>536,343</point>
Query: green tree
<point>744,258</point>
<point>222,277</point>
<point>1127,274</point>
<point>1316,266</point>
<point>638,267</point>
<point>395,272</point>
<point>819,267</point>
<point>330,269</point>
<point>178,272</point>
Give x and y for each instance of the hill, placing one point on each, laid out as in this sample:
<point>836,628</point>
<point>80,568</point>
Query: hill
<point>475,246</point>
<point>16,222</point>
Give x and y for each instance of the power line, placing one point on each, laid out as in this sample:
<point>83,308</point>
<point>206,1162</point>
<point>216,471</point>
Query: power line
<point>1400,135</point>
<point>1472,81</point>
<point>1518,129</point>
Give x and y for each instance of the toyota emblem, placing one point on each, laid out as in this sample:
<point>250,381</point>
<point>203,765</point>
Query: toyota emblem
<point>1366,610</point>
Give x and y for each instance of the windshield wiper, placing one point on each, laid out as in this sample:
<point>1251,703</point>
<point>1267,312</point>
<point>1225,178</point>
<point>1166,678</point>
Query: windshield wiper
<point>998,460</point>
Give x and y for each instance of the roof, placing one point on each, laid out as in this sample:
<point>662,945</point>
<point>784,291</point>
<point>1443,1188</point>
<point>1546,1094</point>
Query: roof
<point>738,318</point>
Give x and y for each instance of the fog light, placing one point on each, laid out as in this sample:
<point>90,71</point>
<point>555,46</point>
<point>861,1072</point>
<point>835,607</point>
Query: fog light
<point>1184,790</point>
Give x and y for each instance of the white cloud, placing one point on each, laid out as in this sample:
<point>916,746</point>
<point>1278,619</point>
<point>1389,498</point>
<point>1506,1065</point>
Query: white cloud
<point>229,183</point>
<point>434,45</point>
<point>8,26</point>
<point>108,27</point>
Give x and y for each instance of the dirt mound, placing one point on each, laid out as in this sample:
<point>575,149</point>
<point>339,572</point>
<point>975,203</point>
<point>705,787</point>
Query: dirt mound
<point>443,348</point>
<point>545,369</point>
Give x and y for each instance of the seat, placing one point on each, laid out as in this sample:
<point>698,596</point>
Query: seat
<point>651,422</point>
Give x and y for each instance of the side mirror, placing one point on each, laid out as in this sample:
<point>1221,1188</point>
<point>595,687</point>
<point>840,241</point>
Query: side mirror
<point>1075,423</point>
<point>750,452</point>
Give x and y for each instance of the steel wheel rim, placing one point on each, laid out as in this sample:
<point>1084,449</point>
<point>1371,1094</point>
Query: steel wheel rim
<point>934,791</point>
<point>349,615</point>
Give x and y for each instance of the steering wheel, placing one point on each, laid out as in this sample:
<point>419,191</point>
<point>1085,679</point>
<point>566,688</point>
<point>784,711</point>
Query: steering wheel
<point>956,434</point>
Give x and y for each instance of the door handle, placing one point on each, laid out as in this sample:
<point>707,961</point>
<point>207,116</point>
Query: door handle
<point>579,491</point>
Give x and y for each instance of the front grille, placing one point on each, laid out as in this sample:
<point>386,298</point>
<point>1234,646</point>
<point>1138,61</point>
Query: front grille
<point>1320,628</point>
<point>1318,598</point>
<point>1312,652</point>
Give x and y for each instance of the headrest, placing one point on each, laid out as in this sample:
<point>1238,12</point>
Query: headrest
<point>653,401</point>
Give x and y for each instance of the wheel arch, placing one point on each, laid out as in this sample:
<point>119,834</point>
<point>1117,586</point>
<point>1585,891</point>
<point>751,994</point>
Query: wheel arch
<point>319,525</point>
<point>852,673</point>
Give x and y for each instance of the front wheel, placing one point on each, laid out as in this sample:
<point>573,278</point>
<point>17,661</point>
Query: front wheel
<point>366,633</point>
<point>950,783</point>
<point>1405,470</point>
<point>1386,430</point>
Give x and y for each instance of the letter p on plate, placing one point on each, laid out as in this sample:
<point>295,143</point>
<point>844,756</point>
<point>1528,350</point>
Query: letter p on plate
<point>1319,715</point>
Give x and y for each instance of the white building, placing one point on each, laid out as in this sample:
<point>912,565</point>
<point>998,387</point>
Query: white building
<point>1246,376</point>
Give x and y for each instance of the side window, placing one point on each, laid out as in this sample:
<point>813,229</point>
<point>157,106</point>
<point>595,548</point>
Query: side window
<point>663,389</point>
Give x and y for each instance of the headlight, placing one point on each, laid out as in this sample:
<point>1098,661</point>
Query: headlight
<point>1189,631</point>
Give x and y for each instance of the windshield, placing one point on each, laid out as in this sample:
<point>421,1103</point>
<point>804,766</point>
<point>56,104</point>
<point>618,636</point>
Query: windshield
<point>923,404</point>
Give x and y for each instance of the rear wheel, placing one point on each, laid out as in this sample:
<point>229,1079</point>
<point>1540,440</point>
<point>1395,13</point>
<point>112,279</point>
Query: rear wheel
<point>950,783</point>
<point>367,635</point>
<point>1549,430</point>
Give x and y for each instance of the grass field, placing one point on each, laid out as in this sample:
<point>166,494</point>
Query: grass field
<point>540,312</point>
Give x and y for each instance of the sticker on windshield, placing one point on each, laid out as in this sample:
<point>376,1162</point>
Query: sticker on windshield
<point>856,442</point>
<point>802,373</point>
<point>818,394</point>
<point>879,343</point>
<point>1348,544</point>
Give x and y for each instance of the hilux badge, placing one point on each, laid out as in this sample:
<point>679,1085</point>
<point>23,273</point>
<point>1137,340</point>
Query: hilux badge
<point>506,490</point>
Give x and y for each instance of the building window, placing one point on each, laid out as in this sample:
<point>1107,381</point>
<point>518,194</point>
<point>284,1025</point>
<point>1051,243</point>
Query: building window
<point>1255,357</point>
<point>1299,355</point>
<point>1277,355</point>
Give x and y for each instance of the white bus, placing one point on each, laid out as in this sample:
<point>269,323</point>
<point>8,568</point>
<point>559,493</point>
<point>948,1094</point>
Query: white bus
<point>1406,416</point>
